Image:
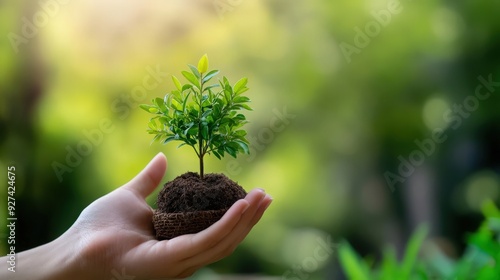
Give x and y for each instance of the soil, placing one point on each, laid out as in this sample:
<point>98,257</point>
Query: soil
<point>189,204</point>
<point>189,193</point>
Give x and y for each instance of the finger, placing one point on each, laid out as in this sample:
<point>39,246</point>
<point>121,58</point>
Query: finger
<point>148,179</point>
<point>227,246</point>
<point>214,234</point>
<point>256,218</point>
<point>213,246</point>
<point>209,237</point>
<point>264,204</point>
<point>183,253</point>
<point>171,256</point>
<point>187,246</point>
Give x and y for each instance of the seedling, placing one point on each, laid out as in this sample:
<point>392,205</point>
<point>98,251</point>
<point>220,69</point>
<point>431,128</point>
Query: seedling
<point>203,115</point>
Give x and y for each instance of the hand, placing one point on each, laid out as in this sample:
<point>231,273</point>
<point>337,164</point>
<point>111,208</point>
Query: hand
<point>114,237</point>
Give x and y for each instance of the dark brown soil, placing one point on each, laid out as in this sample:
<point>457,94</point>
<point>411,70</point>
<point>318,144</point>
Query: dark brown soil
<point>188,193</point>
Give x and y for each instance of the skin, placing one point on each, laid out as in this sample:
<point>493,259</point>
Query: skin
<point>114,239</point>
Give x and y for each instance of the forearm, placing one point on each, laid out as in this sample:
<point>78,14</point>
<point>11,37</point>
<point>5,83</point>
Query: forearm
<point>53,261</point>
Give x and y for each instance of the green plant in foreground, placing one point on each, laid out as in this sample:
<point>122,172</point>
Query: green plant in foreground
<point>481,259</point>
<point>202,115</point>
<point>359,269</point>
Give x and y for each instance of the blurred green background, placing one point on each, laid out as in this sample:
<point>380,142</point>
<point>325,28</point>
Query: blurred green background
<point>344,94</point>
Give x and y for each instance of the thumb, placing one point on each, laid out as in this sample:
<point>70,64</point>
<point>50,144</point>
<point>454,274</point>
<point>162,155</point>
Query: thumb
<point>147,180</point>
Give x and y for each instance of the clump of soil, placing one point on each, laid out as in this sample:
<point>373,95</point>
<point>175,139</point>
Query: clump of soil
<point>189,192</point>
<point>189,204</point>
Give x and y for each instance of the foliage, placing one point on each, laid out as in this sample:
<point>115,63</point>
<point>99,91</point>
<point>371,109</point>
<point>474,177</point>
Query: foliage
<point>481,259</point>
<point>205,117</point>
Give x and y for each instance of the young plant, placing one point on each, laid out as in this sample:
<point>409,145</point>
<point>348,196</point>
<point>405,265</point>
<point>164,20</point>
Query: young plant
<point>201,114</point>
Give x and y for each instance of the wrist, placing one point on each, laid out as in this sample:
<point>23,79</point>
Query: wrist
<point>57,260</point>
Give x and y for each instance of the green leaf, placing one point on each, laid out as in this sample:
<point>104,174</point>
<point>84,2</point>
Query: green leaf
<point>166,100</point>
<point>389,264</point>
<point>212,86</point>
<point>186,87</point>
<point>240,133</point>
<point>164,120</point>
<point>412,251</point>
<point>169,139</point>
<point>192,130</point>
<point>225,81</point>
<point>206,103</point>
<point>149,108</point>
<point>243,146</point>
<point>241,99</point>
<point>185,102</point>
<point>482,240</point>
<point>193,112</point>
<point>210,75</point>
<point>239,117</point>
<point>216,141</point>
<point>177,83</point>
<point>353,267</point>
<point>182,144</point>
<point>153,125</point>
<point>220,150</point>
<point>489,209</point>
<point>203,64</point>
<point>242,91</point>
<point>206,113</point>
<point>227,96</point>
<point>194,71</point>
<point>216,154</point>
<point>204,132</point>
<point>240,85</point>
<point>176,105</point>
<point>230,151</point>
<point>156,138</point>
<point>177,96</point>
<point>191,78</point>
<point>244,106</point>
<point>160,104</point>
<point>225,120</point>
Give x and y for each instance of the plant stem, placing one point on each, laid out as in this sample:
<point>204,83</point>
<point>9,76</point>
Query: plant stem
<point>200,136</point>
<point>200,145</point>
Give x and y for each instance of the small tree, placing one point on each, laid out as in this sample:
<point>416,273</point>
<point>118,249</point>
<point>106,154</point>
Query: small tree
<point>205,117</point>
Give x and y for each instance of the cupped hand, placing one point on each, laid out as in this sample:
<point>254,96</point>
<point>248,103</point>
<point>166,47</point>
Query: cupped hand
<point>114,236</point>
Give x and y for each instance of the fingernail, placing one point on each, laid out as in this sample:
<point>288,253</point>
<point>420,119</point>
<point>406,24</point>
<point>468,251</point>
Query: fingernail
<point>245,208</point>
<point>268,203</point>
<point>262,190</point>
